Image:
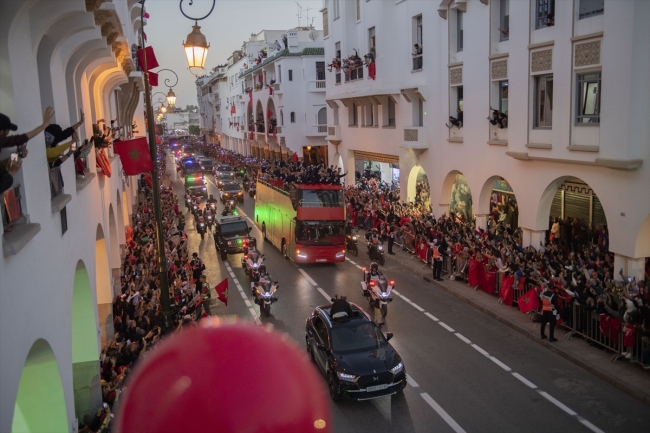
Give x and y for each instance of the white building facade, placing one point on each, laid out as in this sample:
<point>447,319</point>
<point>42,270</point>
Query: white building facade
<point>61,253</point>
<point>287,88</point>
<point>571,76</point>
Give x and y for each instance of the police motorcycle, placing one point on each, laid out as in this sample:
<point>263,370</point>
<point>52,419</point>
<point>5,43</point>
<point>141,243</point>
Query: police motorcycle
<point>351,237</point>
<point>377,289</point>
<point>252,189</point>
<point>188,201</point>
<point>201,226</point>
<point>252,260</point>
<point>212,204</point>
<point>229,209</point>
<point>209,219</point>
<point>196,209</point>
<point>264,292</point>
<point>246,184</point>
<point>375,247</point>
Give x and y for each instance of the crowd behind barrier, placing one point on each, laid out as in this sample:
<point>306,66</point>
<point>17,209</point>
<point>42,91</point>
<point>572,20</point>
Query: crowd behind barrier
<point>574,261</point>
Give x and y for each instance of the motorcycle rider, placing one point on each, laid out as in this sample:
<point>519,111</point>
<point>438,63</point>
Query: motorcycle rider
<point>374,273</point>
<point>211,199</point>
<point>373,239</point>
<point>263,273</point>
<point>349,228</point>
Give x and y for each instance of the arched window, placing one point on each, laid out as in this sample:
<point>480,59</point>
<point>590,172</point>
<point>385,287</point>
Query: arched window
<point>293,117</point>
<point>322,116</point>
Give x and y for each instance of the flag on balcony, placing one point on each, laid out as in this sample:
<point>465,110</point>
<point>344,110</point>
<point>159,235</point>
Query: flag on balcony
<point>103,163</point>
<point>153,79</point>
<point>152,62</point>
<point>222,291</point>
<point>372,69</point>
<point>135,156</point>
<point>269,113</point>
<point>233,110</point>
<point>250,99</point>
<point>295,157</point>
<point>271,90</point>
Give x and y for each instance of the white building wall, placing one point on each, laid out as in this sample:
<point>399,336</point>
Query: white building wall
<point>611,158</point>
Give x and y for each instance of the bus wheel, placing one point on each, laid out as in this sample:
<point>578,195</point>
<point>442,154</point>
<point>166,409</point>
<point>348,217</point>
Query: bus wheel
<point>264,231</point>
<point>284,248</point>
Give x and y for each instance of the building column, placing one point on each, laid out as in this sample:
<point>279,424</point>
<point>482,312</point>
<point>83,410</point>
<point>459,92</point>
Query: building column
<point>386,172</point>
<point>481,221</point>
<point>532,237</point>
<point>443,209</point>
<point>632,267</point>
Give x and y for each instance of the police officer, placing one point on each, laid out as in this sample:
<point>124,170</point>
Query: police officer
<point>390,232</point>
<point>549,311</point>
<point>197,269</point>
<point>206,295</point>
<point>437,260</point>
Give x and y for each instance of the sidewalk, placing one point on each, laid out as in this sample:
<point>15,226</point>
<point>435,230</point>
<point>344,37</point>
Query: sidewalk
<point>628,377</point>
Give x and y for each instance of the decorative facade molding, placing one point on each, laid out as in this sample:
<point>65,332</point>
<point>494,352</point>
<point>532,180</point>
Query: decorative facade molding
<point>461,6</point>
<point>93,5</point>
<point>587,54</point>
<point>499,69</point>
<point>410,134</point>
<point>456,76</point>
<point>541,61</point>
<point>442,13</point>
<point>101,17</point>
<point>485,2</point>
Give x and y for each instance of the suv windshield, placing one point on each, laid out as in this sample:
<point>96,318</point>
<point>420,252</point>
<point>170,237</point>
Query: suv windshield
<point>231,187</point>
<point>320,232</point>
<point>224,168</point>
<point>234,228</point>
<point>224,177</point>
<point>321,198</point>
<point>356,337</point>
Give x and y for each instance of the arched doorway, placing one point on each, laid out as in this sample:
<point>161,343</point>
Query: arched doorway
<point>103,285</point>
<point>40,403</point>
<point>259,117</point>
<point>573,203</point>
<point>417,189</point>
<point>456,192</point>
<point>85,345</point>
<point>498,205</point>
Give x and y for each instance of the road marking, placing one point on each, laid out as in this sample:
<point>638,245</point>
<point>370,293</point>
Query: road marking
<point>447,327</point>
<point>324,293</point>
<point>444,415</point>
<point>411,382</point>
<point>406,299</point>
<point>589,425</point>
<point>500,364</point>
<point>354,263</point>
<point>250,220</point>
<point>306,275</point>
<point>557,403</point>
<point>396,292</point>
<point>430,316</point>
<point>417,307</point>
<point>462,337</point>
<point>243,295</point>
<point>525,381</point>
<point>253,312</point>
<point>248,303</point>
<point>481,351</point>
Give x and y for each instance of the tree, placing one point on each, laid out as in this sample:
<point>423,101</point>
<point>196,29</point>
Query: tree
<point>194,130</point>
<point>191,108</point>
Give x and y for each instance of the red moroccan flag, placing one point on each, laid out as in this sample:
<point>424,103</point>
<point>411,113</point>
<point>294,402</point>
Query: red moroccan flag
<point>233,110</point>
<point>222,291</point>
<point>135,156</point>
<point>295,157</point>
<point>153,79</point>
<point>152,62</point>
<point>269,113</point>
<point>528,302</point>
<point>505,293</point>
<point>372,68</point>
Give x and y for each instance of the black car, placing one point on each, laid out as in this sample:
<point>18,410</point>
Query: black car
<point>231,235</point>
<point>206,165</point>
<point>195,185</point>
<point>222,179</point>
<point>353,354</point>
<point>232,191</point>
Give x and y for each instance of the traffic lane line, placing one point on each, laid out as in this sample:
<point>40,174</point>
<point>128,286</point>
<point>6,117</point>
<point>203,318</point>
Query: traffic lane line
<point>525,381</point>
<point>443,414</point>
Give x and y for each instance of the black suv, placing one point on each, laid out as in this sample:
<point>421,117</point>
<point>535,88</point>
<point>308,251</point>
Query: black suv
<point>231,235</point>
<point>195,185</point>
<point>352,353</point>
<point>232,191</point>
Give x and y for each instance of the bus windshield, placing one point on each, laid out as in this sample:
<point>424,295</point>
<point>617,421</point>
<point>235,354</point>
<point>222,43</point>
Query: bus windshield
<point>321,198</point>
<point>320,232</point>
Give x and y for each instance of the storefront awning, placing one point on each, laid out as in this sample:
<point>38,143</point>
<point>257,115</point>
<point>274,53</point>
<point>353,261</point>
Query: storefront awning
<point>378,157</point>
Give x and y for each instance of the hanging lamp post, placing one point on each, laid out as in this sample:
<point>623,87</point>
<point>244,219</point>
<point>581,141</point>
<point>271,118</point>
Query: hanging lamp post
<point>196,45</point>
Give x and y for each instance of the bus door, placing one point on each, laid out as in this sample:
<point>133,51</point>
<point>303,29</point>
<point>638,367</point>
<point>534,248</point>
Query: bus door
<point>292,238</point>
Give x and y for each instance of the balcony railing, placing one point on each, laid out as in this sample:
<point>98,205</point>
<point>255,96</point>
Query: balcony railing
<point>417,62</point>
<point>354,74</point>
<point>415,138</point>
<point>317,86</point>
<point>322,128</point>
<point>12,210</point>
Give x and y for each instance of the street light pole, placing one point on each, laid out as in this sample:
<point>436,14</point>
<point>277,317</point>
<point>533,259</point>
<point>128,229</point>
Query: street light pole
<point>157,208</point>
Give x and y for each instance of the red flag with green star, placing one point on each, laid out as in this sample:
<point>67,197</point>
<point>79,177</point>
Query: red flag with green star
<point>135,155</point>
<point>222,291</point>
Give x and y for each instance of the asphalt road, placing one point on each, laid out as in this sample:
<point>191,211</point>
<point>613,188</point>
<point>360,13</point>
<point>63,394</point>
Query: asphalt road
<point>467,371</point>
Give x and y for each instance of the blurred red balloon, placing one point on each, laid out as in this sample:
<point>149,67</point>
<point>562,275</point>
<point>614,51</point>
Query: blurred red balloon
<point>229,378</point>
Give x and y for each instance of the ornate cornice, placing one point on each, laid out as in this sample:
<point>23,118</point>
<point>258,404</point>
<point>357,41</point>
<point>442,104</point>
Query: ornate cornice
<point>442,13</point>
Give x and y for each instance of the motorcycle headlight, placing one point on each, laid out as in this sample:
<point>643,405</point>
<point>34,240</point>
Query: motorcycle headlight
<point>383,295</point>
<point>354,238</point>
<point>380,247</point>
<point>399,367</point>
<point>266,294</point>
<point>254,265</point>
<point>347,377</point>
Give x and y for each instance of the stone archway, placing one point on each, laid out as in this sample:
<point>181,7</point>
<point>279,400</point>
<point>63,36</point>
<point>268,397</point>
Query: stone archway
<point>85,345</point>
<point>642,247</point>
<point>417,187</point>
<point>260,117</point>
<point>40,403</point>
<point>456,196</point>
<point>103,287</point>
<point>497,198</point>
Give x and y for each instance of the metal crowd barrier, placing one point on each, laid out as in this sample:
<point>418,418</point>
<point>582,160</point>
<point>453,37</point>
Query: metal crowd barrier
<point>587,324</point>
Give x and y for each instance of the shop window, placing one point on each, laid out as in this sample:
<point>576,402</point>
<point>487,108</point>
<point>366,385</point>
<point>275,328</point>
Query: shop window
<point>591,8</point>
<point>543,101</point>
<point>588,98</point>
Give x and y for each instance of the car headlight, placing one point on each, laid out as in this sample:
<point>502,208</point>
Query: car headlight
<point>240,193</point>
<point>204,188</point>
<point>399,367</point>
<point>347,377</point>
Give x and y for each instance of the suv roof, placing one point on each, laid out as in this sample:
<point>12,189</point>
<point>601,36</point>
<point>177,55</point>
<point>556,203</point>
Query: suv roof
<point>357,315</point>
<point>231,183</point>
<point>230,219</point>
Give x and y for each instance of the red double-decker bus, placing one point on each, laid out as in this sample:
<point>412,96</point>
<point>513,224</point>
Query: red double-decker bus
<point>307,222</point>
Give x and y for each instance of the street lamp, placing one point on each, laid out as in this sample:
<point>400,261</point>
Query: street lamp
<point>171,96</point>
<point>196,46</point>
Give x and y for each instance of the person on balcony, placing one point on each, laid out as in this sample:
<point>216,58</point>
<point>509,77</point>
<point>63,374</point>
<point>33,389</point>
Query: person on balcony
<point>456,121</point>
<point>18,140</point>
<point>417,56</point>
<point>54,135</point>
